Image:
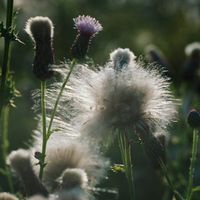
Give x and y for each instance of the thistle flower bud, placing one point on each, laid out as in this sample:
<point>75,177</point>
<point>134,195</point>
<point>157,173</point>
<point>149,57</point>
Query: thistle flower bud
<point>192,63</point>
<point>73,178</point>
<point>155,55</point>
<point>7,196</point>
<point>193,119</point>
<point>20,162</point>
<point>121,58</point>
<point>87,28</point>
<point>40,29</point>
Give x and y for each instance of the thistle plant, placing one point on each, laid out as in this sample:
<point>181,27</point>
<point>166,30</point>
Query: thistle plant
<point>194,122</point>
<point>121,100</point>
<point>7,87</point>
<point>41,31</point>
<point>86,110</point>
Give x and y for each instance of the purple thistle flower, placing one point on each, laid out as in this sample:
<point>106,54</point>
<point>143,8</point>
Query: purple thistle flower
<point>87,25</point>
<point>87,28</point>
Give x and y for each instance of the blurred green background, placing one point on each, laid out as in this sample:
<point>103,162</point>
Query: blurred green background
<point>134,24</point>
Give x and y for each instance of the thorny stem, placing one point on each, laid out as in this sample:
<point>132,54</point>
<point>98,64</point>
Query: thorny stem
<point>4,109</point>
<point>73,63</point>
<point>125,149</point>
<point>192,164</point>
<point>5,66</point>
<point>44,134</point>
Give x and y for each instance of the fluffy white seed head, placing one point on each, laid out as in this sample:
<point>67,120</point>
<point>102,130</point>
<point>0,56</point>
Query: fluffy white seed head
<point>71,178</point>
<point>7,196</point>
<point>39,28</point>
<point>73,194</point>
<point>37,197</point>
<point>19,160</point>
<point>63,154</point>
<point>121,58</point>
<point>105,100</point>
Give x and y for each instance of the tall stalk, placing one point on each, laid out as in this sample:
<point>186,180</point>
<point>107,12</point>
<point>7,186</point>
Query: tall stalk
<point>125,149</point>
<point>6,56</point>
<point>151,145</point>
<point>192,164</point>
<point>44,135</point>
<point>4,107</point>
<point>5,144</point>
<point>47,132</point>
<point>73,63</point>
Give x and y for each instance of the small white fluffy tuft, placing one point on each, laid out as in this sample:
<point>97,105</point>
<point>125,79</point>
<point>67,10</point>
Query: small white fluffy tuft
<point>19,160</point>
<point>7,196</point>
<point>71,178</point>
<point>37,197</point>
<point>63,154</point>
<point>121,58</point>
<point>73,194</point>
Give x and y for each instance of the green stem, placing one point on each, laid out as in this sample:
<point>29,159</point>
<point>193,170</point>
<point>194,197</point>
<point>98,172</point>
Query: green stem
<point>5,65</point>
<point>5,144</point>
<point>4,109</point>
<point>47,132</point>
<point>192,164</point>
<point>44,139</point>
<point>125,149</point>
<point>73,63</point>
<point>177,195</point>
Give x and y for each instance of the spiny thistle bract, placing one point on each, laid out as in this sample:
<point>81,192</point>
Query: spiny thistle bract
<point>106,100</point>
<point>87,28</point>
<point>40,29</point>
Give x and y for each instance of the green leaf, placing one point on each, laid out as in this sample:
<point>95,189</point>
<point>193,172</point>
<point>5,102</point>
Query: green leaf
<point>196,189</point>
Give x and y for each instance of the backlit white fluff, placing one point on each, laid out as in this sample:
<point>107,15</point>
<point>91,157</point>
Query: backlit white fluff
<point>7,196</point>
<point>19,160</point>
<point>121,58</point>
<point>73,194</point>
<point>64,153</point>
<point>104,100</point>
